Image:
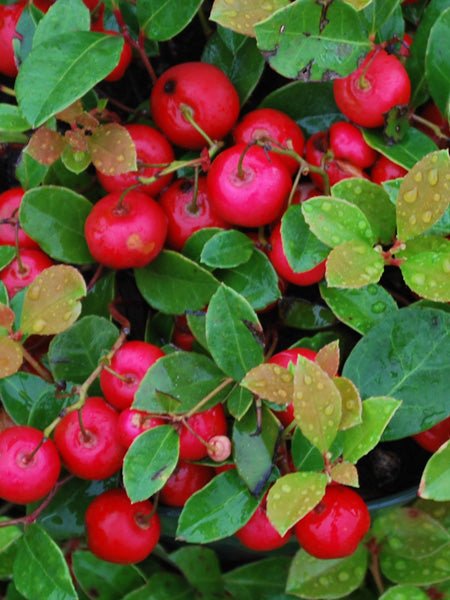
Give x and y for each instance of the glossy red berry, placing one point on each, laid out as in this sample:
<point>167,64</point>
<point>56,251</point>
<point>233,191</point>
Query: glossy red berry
<point>186,479</point>
<point>126,231</point>
<point>367,94</point>
<point>433,438</point>
<point>94,452</point>
<point>29,468</point>
<point>120,380</point>
<point>125,58</point>
<point>259,534</point>
<point>202,89</point>
<point>205,425</point>
<point>17,275</point>
<point>152,148</point>
<point>335,527</point>
<point>385,169</point>
<point>281,265</point>
<point>120,531</point>
<point>9,17</point>
<point>347,143</point>
<point>132,423</point>
<point>274,127</point>
<point>249,190</point>
<point>10,202</point>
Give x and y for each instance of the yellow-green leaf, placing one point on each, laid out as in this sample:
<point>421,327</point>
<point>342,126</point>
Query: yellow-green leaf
<point>7,316</point>
<point>328,358</point>
<point>241,15</point>
<point>270,381</point>
<point>11,357</point>
<point>351,402</point>
<point>345,473</point>
<point>112,149</point>
<point>353,264</point>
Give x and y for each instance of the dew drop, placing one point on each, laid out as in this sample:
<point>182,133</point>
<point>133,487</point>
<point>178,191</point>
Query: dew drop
<point>326,206</point>
<point>372,289</point>
<point>446,265</point>
<point>418,176</point>
<point>441,563</point>
<point>287,377</point>
<point>343,576</point>
<point>436,197</point>
<point>323,580</point>
<point>277,370</point>
<point>378,307</point>
<point>34,292</point>
<point>426,217</point>
<point>400,565</point>
<point>433,176</point>
<point>232,14</point>
<point>336,239</point>
<point>286,488</point>
<point>410,196</point>
<point>120,158</point>
<point>350,405</point>
<point>329,410</point>
<point>308,380</point>
<point>299,395</point>
<point>267,5</point>
<point>282,393</point>
<point>412,219</point>
<point>320,386</point>
<point>39,325</point>
<point>418,279</point>
<point>67,315</point>
<point>358,190</point>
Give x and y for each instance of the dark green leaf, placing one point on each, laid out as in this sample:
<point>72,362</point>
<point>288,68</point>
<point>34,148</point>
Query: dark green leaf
<point>19,392</point>
<point>99,296</point>
<point>193,246</point>
<point>163,20</point>
<point>239,401</point>
<point>55,218</point>
<point>306,457</point>
<point>437,63</point>
<point>383,18</point>
<point>227,249</point>
<point>7,254</point>
<point>263,579</point>
<point>48,406</point>
<point>201,567</point>
<point>163,586</point>
<point>302,314</point>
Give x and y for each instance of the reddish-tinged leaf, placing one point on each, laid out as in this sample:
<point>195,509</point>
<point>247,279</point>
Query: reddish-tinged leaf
<point>46,145</point>
<point>351,402</point>
<point>10,357</point>
<point>112,149</point>
<point>7,316</point>
<point>70,114</point>
<point>328,358</point>
<point>271,382</point>
<point>345,473</point>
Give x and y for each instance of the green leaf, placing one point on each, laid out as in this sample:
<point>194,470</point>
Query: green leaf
<point>48,406</point>
<point>239,401</point>
<point>216,511</point>
<point>19,392</point>
<point>162,586</point>
<point>435,482</point>
<point>437,64</point>
<point>353,264</point>
<point>51,80</point>
<point>173,283</point>
<point>59,19</point>
<point>303,314</point>
<point>263,579</point>
<point>185,378</point>
<point>292,496</point>
<point>40,569</point>
<point>427,274</point>
<point>323,579</point>
<point>376,18</point>
<point>360,439</point>
<point>11,119</point>
<point>307,42</point>
<point>404,592</point>
<point>306,457</point>
<point>233,333</point>
<point>270,381</point>
<point>227,249</point>
<point>254,447</point>
<point>334,221</point>
<point>201,567</point>
<point>163,20</point>
<point>54,217</point>
<point>75,353</point>
<point>149,461</point>
<point>359,308</point>
<point>29,172</point>
<point>405,357</point>
<point>351,403</point>
<point>241,15</point>
<point>104,580</point>
<point>11,357</point>
<point>374,201</point>
<point>424,195</point>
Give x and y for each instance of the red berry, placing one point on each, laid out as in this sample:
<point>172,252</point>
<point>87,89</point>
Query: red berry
<point>433,438</point>
<point>271,125</point>
<point>9,17</point>
<point>152,148</point>
<point>205,425</point>
<point>335,527</point>
<point>17,275</point>
<point>185,216</point>
<point>120,531</point>
<point>10,201</point>
<point>206,92</point>
<point>280,263</point>
<point>28,470</point>
<point>124,60</point>
<point>128,233</point>
<point>385,169</point>
<point>253,197</point>
<point>131,362</point>
<point>347,143</point>
<point>367,94</point>
<point>94,452</point>
<point>259,534</point>
<point>186,479</point>
<point>132,423</point>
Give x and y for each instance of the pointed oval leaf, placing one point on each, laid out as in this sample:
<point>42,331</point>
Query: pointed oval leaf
<point>317,404</point>
<point>425,570</point>
<point>353,264</point>
<point>112,149</point>
<point>239,401</point>
<point>415,145</point>
<point>19,393</point>
<point>424,195</point>
<point>46,145</point>
<point>345,473</point>
<point>306,457</point>
<point>162,21</point>
<point>75,161</point>
<point>292,496</point>
<point>435,482</point>
<point>404,592</point>
<point>216,511</point>
<point>428,274</point>
<point>52,302</point>
<point>351,402</point>
<point>334,220</point>
<point>149,461</point>
<point>7,316</point>
<point>376,414</point>
<point>328,358</point>
<point>271,382</point>
<point>242,15</point>
<point>437,65</point>
<point>11,357</point>
<point>11,119</point>
<point>227,249</point>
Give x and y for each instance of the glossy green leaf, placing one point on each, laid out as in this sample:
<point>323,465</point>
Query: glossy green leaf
<point>435,482</point>
<point>317,404</point>
<point>404,592</point>
<point>359,308</point>
<point>40,569</point>
<point>193,246</point>
<point>227,249</point>
<point>323,579</point>
<point>334,221</point>
<point>292,496</point>
<point>271,382</point>
<point>303,314</point>
<point>306,457</point>
<point>19,392</point>
<point>59,19</point>
<point>424,195</point>
<point>374,201</point>
<point>11,119</point>
<point>11,357</point>
<point>216,511</point>
<point>50,81</point>
<point>149,461</point>
<point>239,401</point>
<point>254,447</point>
<point>427,274</point>
<point>29,172</point>
<point>173,283</point>
<point>400,357</point>
<point>306,42</point>
<point>9,541</point>
<point>196,321</point>
<point>105,580</point>
<point>48,405</point>
<point>185,378</point>
<point>256,280</point>
<point>353,264</point>
<point>377,16</point>
<point>241,16</point>
<point>263,579</point>
<point>55,217</point>
<point>77,162</point>
<point>376,414</point>
<point>163,20</point>
<point>98,297</point>
<point>201,567</point>
<point>233,333</point>
<point>162,586</point>
<point>437,63</point>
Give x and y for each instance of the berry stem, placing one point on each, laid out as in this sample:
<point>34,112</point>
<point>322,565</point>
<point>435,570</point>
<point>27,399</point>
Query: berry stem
<point>430,125</point>
<point>188,114</point>
<point>208,397</point>
<point>192,207</point>
<point>37,366</point>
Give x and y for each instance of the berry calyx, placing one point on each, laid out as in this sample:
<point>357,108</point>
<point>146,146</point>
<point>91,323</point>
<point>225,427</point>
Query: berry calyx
<point>132,423</point>
<point>198,429</point>
<point>219,448</point>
